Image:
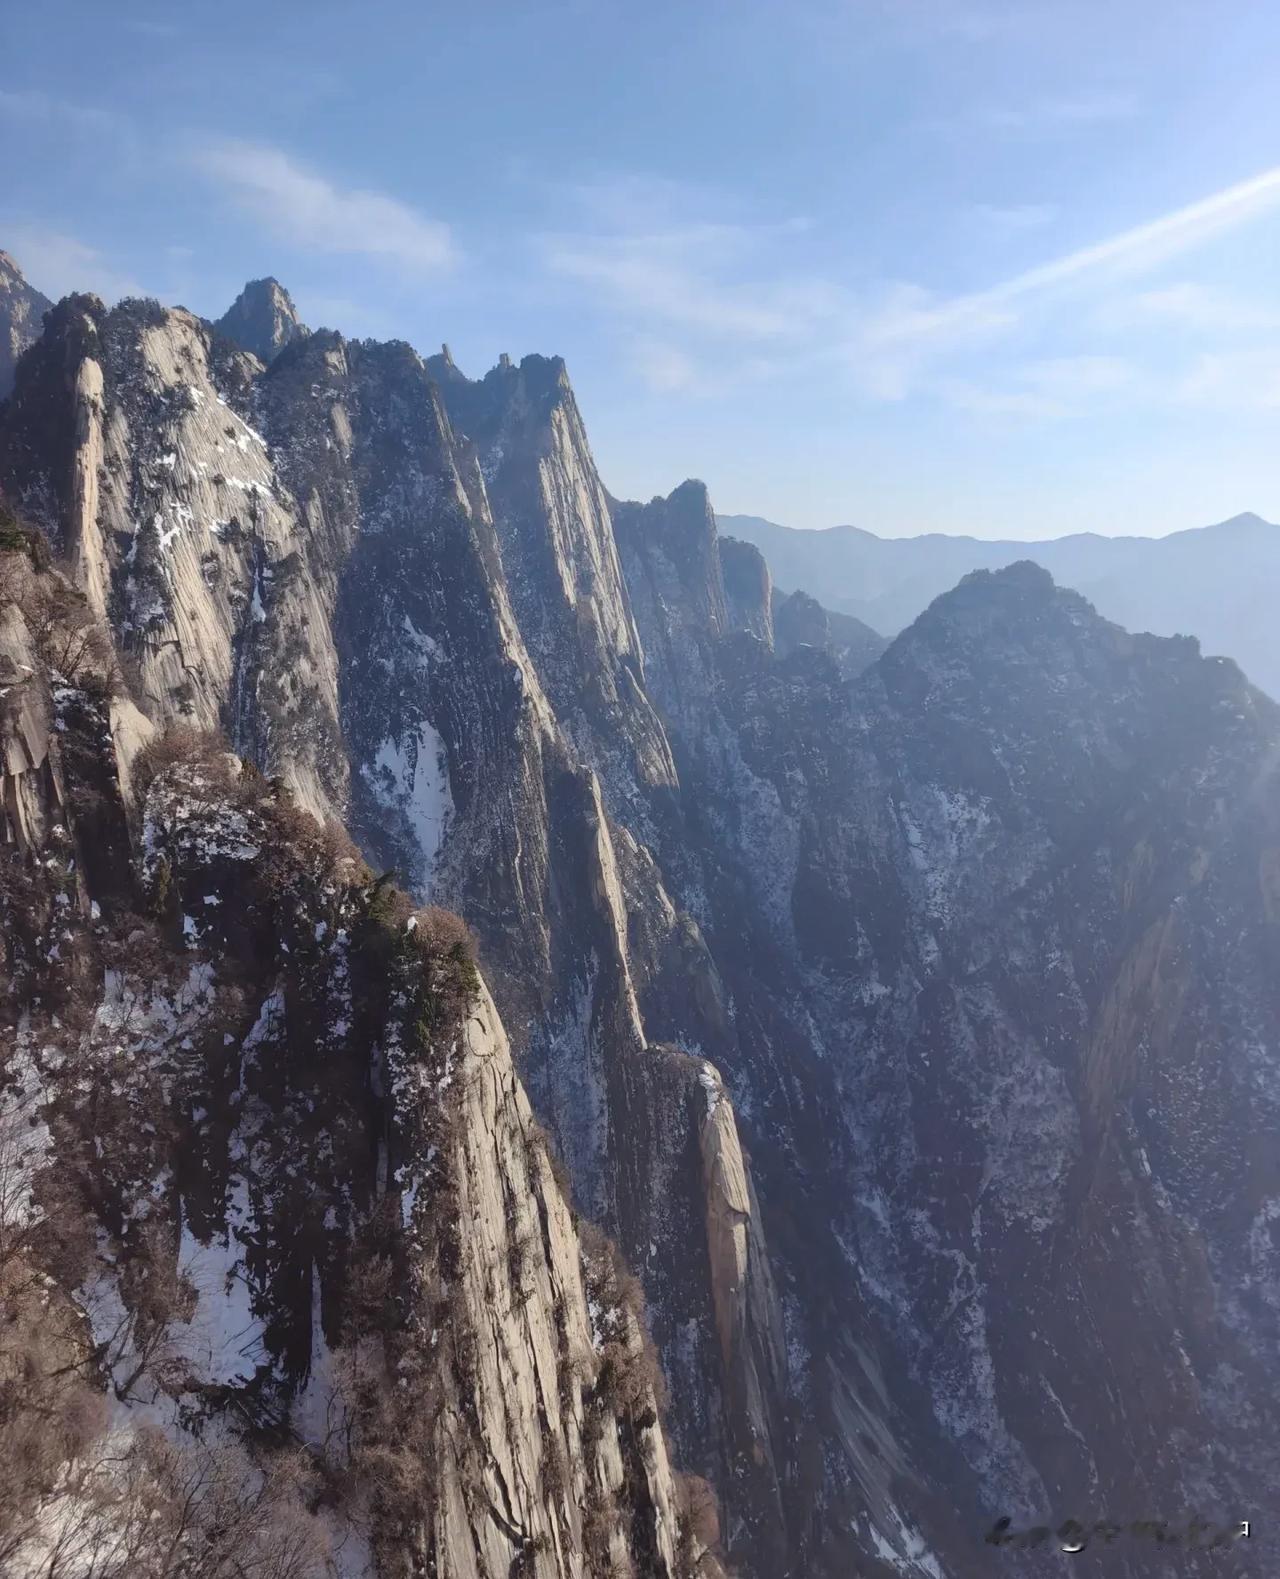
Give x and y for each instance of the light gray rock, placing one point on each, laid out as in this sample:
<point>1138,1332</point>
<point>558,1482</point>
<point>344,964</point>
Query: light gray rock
<point>22,310</point>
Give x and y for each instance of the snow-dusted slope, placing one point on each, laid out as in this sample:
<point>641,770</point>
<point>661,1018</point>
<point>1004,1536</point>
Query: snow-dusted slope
<point>859,1000</point>
<point>279,1173</point>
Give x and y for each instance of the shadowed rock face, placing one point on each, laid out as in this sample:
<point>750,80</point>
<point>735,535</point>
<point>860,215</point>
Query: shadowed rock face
<point>747,589</point>
<point>801,621</point>
<point>22,309</point>
<point>262,319</point>
<point>1001,866</point>
<point>912,1022</point>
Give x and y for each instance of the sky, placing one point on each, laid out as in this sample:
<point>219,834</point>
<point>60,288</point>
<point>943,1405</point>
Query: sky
<point>918,265</point>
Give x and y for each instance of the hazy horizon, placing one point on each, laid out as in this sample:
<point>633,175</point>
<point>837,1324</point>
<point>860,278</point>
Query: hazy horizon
<point>723,516</point>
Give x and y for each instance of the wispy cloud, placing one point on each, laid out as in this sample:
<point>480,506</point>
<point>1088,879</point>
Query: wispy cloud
<point>673,261</point>
<point>58,264</point>
<point>664,367</point>
<point>150,27</point>
<point>1131,252</point>
<point>1233,380</point>
<point>1190,308</point>
<point>672,278</point>
<point>1008,219</point>
<point>303,207</point>
<point>702,301</point>
<point>35,107</point>
<point>1052,386</point>
<point>1091,108</point>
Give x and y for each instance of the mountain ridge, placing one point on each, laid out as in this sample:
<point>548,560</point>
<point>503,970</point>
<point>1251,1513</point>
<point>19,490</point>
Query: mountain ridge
<point>1201,581</point>
<point>871,998</point>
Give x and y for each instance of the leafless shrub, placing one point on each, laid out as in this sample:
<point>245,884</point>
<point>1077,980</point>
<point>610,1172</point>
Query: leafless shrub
<point>70,639</point>
<point>155,1294</point>
<point>630,1380</point>
<point>540,1146</point>
<point>614,1283</point>
<point>129,1503</point>
<point>698,1550</point>
<point>182,745</point>
<point>555,1470</point>
<point>49,1415</point>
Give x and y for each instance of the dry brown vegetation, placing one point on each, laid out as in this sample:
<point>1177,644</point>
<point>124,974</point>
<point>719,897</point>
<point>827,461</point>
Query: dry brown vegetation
<point>91,1493</point>
<point>97,1495</point>
<point>72,643</point>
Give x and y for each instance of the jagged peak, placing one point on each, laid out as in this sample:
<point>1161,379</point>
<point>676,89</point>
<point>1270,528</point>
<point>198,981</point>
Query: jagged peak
<point>1021,610</point>
<point>692,495</point>
<point>262,319</point>
<point>10,273</point>
<point>22,310</point>
<point>744,555</point>
<point>15,283</point>
<point>537,375</point>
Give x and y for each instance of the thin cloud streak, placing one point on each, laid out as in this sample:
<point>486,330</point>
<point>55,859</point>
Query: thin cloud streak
<point>1084,109</point>
<point>36,107</point>
<point>1132,251</point>
<point>701,307</point>
<point>58,264</point>
<point>303,207</point>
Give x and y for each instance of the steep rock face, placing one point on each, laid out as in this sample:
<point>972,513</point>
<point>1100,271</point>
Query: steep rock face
<point>552,516</point>
<point>894,864</point>
<point>801,621</point>
<point>22,309</point>
<point>952,934</point>
<point>31,790</point>
<point>356,637</point>
<point>748,590</point>
<point>262,320</point>
<point>130,443</point>
<point>589,1063</point>
<point>274,1088</point>
<point>677,590</point>
<point>1025,837</point>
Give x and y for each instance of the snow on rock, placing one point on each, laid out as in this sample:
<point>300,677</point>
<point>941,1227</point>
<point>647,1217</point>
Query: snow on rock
<point>412,777</point>
<point>224,1339</point>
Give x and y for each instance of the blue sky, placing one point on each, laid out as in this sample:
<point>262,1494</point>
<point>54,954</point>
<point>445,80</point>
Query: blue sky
<point>1009,269</point>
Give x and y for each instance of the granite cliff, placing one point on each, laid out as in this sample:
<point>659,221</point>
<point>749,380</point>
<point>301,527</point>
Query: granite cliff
<point>906,1014</point>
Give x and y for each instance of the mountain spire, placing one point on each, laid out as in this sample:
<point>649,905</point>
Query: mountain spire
<point>262,319</point>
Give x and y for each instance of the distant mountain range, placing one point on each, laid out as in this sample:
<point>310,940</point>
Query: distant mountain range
<point>1217,583</point>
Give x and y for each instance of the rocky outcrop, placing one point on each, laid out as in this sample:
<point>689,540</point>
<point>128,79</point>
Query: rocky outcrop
<point>356,636</point>
<point>748,591</point>
<point>273,1080</point>
<point>31,791</point>
<point>22,309</point>
<point>262,320</point>
<point>870,859</point>
<point>673,572</point>
<point>801,621</point>
<point>553,522</point>
<point>131,444</point>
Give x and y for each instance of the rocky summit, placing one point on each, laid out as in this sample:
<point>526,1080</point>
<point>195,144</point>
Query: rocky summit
<point>527,1052</point>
